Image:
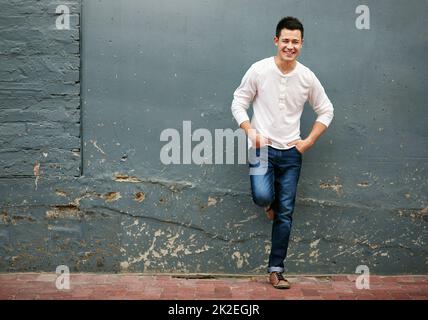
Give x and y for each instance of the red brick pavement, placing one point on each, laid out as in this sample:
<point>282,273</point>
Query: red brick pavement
<point>85,286</point>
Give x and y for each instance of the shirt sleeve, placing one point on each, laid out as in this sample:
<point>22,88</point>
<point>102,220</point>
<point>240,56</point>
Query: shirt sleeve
<point>320,102</point>
<point>244,95</point>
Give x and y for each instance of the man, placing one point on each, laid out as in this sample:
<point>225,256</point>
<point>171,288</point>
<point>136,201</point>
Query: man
<point>278,88</point>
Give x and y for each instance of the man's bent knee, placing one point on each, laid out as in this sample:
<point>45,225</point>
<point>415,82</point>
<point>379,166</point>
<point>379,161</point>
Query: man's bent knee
<point>262,199</point>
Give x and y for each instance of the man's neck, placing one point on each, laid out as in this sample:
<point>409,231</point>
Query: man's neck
<point>285,66</point>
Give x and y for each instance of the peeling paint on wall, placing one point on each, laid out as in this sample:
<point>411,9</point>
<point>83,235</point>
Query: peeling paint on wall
<point>112,196</point>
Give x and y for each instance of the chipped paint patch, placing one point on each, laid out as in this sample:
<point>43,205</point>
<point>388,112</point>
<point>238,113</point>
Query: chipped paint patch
<point>363,184</point>
<point>124,265</point>
<point>203,249</point>
<point>112,196</point>
<point>76,201</point>
<point>314,243</point>
<point>254,216</point>
<point>314,254</point>
<point>15,218</point>
<point>240,259</point>
<point>178,249</point>
<point>36,172</point>
<point>172,239</point>
<point>94,142</point>
<point>143,257</point>
<point>337,187</point>
<point>61,193</point>
<point>125,178</point>
<point>163,245</point>
<point>64,212</point>
<point>212,201</point>
<point>267,247</point>
<point>5,218</point>
<point>76,152</point>
<point>139,196</point>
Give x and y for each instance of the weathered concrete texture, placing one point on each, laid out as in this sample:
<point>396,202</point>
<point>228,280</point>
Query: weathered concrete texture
<point>39,90</point>
<point>128,224</point>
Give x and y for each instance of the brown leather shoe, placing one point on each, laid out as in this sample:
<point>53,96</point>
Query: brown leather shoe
<point>278,281</point>
<point>270,214</point>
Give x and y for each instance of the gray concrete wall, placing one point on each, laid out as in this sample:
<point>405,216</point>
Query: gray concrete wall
<point>150,65</point>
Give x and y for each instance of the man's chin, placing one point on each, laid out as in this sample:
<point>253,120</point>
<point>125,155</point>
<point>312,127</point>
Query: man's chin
<point>288,59</point>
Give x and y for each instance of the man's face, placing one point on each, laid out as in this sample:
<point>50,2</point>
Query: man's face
<point>289,44</point>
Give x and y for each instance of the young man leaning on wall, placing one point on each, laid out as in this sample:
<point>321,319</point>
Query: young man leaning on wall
<point>278,88</point>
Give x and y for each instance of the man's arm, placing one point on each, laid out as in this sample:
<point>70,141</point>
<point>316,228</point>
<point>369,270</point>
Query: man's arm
<point>325,111</point>
<point>303,145</point>
<point>243,97</point>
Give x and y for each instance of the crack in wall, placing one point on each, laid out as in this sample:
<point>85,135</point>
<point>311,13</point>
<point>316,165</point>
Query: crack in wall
<point>172,185</point>
<point>186,225</point>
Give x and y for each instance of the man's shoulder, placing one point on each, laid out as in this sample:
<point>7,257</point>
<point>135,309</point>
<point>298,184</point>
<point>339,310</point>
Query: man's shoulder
<point>262,65</point>
<point>263,62</point>
<point>305,70</point>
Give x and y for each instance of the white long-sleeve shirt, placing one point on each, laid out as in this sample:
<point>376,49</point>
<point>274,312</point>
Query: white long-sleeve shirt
<point>278,100</point>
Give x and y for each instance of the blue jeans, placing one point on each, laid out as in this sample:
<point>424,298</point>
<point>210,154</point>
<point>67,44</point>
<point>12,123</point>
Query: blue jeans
<point>277,187</point>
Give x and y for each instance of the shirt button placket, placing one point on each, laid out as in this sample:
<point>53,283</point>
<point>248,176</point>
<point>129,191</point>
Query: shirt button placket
<point>281,101</point>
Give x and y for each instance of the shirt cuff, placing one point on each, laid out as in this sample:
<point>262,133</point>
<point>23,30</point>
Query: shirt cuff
<point>325,119</point>
<point>241,117</point>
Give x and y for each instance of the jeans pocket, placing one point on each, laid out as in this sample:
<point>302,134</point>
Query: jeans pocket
<point>298,151</point>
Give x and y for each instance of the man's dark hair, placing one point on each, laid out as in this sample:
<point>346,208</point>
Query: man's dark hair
<point>289,23</point>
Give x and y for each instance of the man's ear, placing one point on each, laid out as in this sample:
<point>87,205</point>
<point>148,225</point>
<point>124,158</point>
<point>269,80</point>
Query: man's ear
<point>275,41</point>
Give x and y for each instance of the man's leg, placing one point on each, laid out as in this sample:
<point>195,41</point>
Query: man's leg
<point>287,172</point>
<point>262,181</point>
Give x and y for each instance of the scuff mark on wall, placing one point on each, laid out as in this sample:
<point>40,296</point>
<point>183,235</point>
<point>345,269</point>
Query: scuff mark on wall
<point>64,211</point>
<point>336,186</point>
<point>36,171</point>
<point>61,193</point>
<point>125,178</point>
<point>112,196</point>
<point>94,142</point>
<point>76,201</point>
<point>363,184</point>
<point>314,253</point>
<point>211,201</point>
<point>252,217</point>
<point>314,243</point>
<point>4,216</point>
<point>124,265</point>
<point>139,196</point>
<point>15,218</point>
<point>163,246</point>
<point>174,186</point>
<point>240,259</point>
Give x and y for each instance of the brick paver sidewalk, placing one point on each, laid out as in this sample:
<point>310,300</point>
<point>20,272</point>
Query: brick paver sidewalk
<point>142,286</point>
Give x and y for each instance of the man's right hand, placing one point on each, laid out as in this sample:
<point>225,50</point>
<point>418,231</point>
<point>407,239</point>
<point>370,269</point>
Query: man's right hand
<point>256,138</point>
